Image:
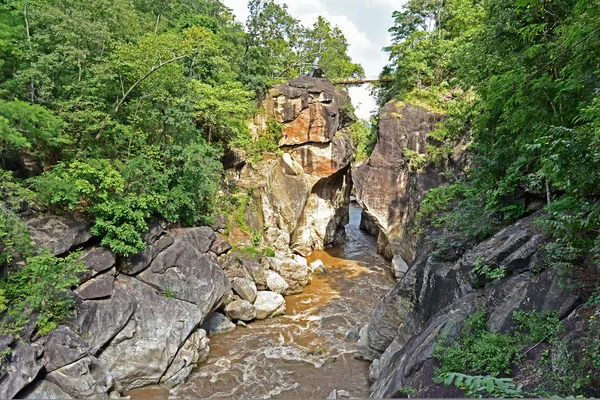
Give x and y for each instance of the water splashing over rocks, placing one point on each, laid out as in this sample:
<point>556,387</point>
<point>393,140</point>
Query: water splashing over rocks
<point>311,350</point>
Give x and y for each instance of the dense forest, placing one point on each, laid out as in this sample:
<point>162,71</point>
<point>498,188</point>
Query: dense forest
<point>519,81</point>
<point>122,110</point>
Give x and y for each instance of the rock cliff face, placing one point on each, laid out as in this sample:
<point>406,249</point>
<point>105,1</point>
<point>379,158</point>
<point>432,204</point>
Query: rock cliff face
<point>435,296</point>
<point>302,197</point>
<point>389,186</point>
<point>143,319</point>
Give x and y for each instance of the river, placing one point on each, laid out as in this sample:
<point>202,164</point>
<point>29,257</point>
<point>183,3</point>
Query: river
<point>311,350</point>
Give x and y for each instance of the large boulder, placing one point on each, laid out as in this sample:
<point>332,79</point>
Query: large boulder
<point>269,304</point>
<point>431,296</point>
<point>98,260</point>
<point>43,390</point>
<point>25,363</point>
<point>59,233</point>
<point>217,323</point>
<point>241,310</point>
<point>295,274</point>
<point>99,287</point>
<point>138,262</point>
<point>87,378</point>
<point>99,321</point>
<point>63,347</point>
<point>325,215</point>
<point>194,350</point>
<point>186,272</point>
<point>309,108</point>
<point>143,350</point>
<point>245,288</point>
<point>301,197</point>
<point>276,283</point>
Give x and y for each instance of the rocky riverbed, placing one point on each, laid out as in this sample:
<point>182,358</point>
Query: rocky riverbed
<point>311,350</point>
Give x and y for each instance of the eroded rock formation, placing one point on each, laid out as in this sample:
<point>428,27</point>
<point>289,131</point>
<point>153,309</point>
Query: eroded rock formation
<point>302,197</point>
<point>434,296</point>
<point>139,320</point>
<point>390,185</point>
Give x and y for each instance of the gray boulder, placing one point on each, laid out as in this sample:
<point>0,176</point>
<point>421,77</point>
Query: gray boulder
<point>241,310</point>
<point>98,260</point>
<point>269,305</point>
<point>140,261</point>
<point>317,267</point>
<point>143,351</point>
<point>63,347</point>
<point>25,363</point>
<point>256,271</point>
<point>155,228</point>
<point>217,323</point>
<point>98,287</point>
<point>101,320</point>
<point>245,288</point>
<point>220,246</point>
<point>296,275</point>
<point>276,283</point>
<point>86,378</point>
<point>59,233</point>
<point>194,350</point>
<point>43,390</point>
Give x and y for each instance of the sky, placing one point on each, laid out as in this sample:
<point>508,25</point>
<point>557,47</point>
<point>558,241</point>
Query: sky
<point>365,24</point>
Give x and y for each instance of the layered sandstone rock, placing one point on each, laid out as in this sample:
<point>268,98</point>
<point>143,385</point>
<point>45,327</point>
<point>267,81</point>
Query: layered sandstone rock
<point>301,198</point>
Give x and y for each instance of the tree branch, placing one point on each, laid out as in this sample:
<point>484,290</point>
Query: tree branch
<point>153,69</point>
<point>27,23</point>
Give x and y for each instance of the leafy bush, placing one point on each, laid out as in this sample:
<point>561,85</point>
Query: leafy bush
<point>416,160</point>
<point>489,271</point>
<point>14,236</point>
<point>41,288</point>
<point>477,350</point>
<point>122,198</point>
<point>476,386</point>
<point>364,138</point>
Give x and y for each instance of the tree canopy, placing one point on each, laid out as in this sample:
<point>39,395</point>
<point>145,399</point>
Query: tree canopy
<point>122,109</point>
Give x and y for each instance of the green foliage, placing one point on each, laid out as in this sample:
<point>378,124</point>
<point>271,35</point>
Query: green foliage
<point>594,300</point>
<point>528,85</point>
<point>170,294</point>
<point>364,137</point>
<point>478,350</point>
<point>477,386</point>
<point>266,142</point>
<point>256,238</point>
<point>127,105</point>
<point>437,203</point>
<point>416,160</point>
<point>489,271</point>
<point>279,47</point>
<point>406,391</point>
<point>14,236</point>
<point>240,213</point>
<point>41,288</point>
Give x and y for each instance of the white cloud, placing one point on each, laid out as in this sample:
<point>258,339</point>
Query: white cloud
<point>393,4</point>
<point>239,7</point>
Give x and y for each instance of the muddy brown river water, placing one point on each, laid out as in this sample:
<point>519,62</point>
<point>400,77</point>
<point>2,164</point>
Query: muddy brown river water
<point>310,351</point>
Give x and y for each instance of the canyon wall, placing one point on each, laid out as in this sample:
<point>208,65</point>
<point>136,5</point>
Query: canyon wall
<point>391,184</point>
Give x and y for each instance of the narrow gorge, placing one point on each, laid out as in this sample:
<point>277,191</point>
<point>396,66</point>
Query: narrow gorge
<point>201,313</point>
